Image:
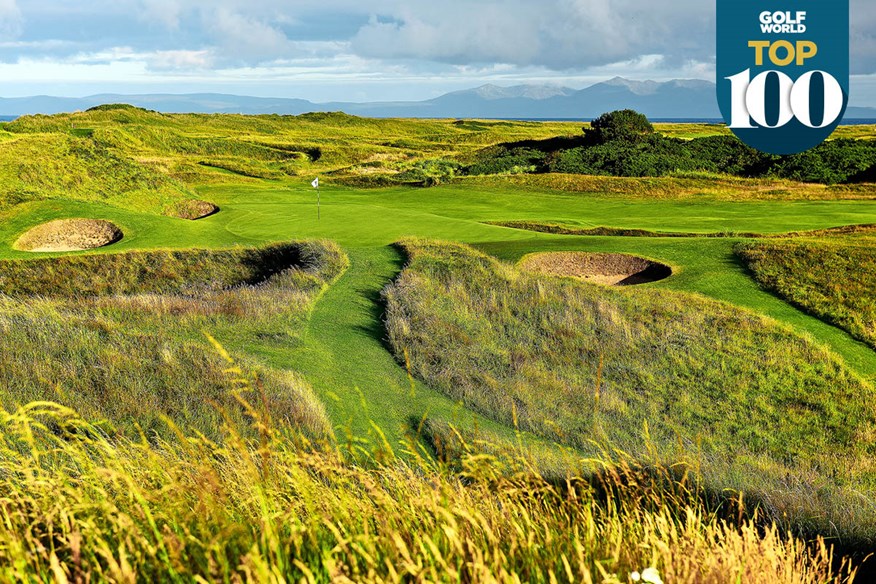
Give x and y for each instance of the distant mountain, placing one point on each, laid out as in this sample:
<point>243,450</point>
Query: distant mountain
<point>491,92</point>
<point>859,113</point>
<point>678,99</point>
<point>168,103</point>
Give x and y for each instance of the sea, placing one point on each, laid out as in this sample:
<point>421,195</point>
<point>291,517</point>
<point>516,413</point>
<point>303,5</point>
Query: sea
<point>852,122</point>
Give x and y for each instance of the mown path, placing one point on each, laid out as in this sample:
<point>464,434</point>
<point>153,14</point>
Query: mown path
<point>344,357</point>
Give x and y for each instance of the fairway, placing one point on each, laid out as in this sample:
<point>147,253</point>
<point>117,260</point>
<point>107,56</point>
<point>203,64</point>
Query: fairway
<point>343,353</point>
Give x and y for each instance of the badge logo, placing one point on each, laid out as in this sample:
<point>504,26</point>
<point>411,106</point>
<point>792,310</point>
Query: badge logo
<point>783,71</point>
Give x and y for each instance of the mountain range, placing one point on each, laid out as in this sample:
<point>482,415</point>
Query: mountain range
<point>677,99</point>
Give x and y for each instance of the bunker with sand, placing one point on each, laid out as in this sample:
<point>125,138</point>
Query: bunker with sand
<point>69,235</point>
<point>613,269</point>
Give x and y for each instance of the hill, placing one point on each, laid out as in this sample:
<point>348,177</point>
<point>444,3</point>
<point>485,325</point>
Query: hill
<point>676,99</point>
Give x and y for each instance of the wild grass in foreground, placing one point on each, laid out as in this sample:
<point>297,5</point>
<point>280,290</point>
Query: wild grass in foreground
<point>833,278</point>
<point>118,336</point>
<point>79,507</point>
<point>744,402</point>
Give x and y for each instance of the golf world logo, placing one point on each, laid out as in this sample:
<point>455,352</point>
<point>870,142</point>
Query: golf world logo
<point>783,71</point>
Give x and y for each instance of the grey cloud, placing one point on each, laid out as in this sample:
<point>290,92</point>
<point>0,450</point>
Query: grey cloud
<point>245,38</point>
<point>165,12</point>
<point>863,37</point>
<point>559,35</point>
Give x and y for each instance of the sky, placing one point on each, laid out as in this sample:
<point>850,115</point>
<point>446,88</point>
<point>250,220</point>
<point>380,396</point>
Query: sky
<point>365,50</point>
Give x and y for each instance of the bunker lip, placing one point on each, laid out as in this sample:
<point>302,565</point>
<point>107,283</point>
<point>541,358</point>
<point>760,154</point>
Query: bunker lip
<point>194,209</point>
<point>613,269</point>
<point>69,235</point>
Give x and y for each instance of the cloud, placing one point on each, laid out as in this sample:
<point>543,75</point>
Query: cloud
<point>241,38</point>
<point>10,20</point>
<point>167,13</point>
<point>180,60</point>
<point>406,42</point>
<point>558,34</point>
<point>862,37</point>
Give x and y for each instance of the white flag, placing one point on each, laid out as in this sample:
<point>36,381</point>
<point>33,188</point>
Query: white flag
<point>315,183</point>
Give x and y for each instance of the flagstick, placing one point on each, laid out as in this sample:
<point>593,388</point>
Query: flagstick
<point>315,184</point>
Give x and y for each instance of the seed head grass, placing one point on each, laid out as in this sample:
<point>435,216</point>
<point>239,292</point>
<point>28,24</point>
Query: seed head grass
<point>78,506</point>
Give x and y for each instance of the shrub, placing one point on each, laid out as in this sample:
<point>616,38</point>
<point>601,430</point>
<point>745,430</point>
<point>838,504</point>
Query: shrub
<point>627,125</point>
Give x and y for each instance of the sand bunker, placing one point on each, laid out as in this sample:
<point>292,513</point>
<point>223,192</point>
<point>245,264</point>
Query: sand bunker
<point>195,209</point>
<point>69,235</point>
<point>614,269</point>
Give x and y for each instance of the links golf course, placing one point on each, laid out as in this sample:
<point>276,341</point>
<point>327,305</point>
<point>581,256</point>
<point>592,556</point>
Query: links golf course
<point>423,323</point>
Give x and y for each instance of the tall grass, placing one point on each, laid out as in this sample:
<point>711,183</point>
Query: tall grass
<point>741,400</point>
<point>200,149</point>
<point>54,166</point>
<point>692,185</point>
<point>119,336</point>
<point>835,279</point>
<point>78,507</point>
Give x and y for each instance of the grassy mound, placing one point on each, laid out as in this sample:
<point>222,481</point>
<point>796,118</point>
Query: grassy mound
<point>614,269</point>
<point>750,404</point>
<point>193,209</point>
<point>69,235</point>
<point>193,511</point>
<point>561,229</point>
<point>835,279</point>
<point>198,149</point>
<point>120,336</point>
<point>51,166</point>
<point>188,272</point>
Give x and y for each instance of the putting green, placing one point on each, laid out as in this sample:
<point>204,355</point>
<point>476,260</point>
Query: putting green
<point>343,355</point>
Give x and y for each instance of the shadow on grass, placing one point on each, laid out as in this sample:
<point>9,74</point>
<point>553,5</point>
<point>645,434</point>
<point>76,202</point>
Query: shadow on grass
<point>376,328</point>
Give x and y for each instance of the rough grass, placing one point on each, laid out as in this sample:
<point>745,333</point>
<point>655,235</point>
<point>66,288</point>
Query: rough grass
<point>119,336</point>
<point>835,279</point>
<point>202,149</point>
<point>151,272</point>
<point>561,229</point>
<point>80,508</point>
<point>53,166</point>
<point>691,186</point>
<point>741,399</point>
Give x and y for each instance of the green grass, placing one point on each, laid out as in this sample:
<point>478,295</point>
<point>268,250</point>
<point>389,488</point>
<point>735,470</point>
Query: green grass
<point>119,337</point>
<point>52,166</point>
<point>302,332</point>
<point>749,404</point>
<point>832,278</point>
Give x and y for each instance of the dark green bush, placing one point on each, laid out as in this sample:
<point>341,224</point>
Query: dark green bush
<point>623,143</point>
<point>627,125</point>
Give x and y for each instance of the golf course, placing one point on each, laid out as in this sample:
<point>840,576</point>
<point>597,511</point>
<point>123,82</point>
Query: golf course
<point>368,389</point>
